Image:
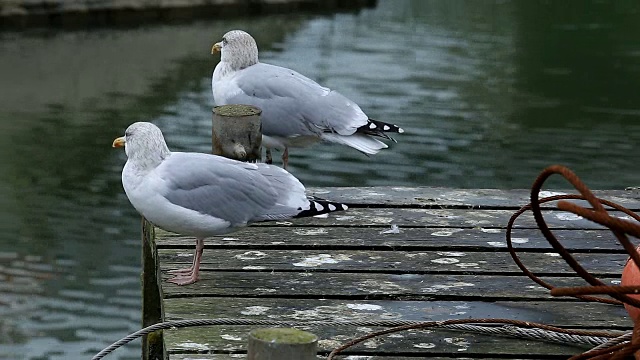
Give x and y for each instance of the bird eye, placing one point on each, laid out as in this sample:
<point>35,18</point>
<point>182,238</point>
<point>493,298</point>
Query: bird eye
<point>224,41</point>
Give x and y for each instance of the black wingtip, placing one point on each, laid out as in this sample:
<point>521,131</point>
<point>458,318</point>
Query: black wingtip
<point>320,206</point>
<point>380,128</point>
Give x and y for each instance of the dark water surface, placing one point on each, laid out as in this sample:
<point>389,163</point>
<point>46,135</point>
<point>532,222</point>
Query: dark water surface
<point>489,93</point>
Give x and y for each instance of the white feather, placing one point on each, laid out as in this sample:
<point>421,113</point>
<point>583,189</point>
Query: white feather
<point>363,143</point>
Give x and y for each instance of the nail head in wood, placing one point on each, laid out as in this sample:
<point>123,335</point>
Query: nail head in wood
<point>236,132</point>
<point>281,343</point>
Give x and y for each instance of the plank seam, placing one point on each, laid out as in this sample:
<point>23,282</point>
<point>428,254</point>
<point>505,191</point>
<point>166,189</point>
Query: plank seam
<point>386,248</point>
<point>372,297</point>
<point>612,275</point>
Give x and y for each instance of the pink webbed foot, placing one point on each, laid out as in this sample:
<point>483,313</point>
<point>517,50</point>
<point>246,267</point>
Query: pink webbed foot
<point>184,280</point>
<point>189,275</point>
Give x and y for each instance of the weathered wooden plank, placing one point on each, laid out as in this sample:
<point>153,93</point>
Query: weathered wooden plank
<point>448,261</point>
<point>321,357</point>
<point>559,313</point>
<point>456,218</point>
<point>437,342</point>
<point>344,238</point>
<point>435,218</point>
<point>463,198</point>
<point>404,262</point>
<point>364,286</point>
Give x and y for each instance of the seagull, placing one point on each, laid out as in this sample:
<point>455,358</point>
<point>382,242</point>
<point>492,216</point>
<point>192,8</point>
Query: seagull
<point>203,195</point>
<point>296,111</point>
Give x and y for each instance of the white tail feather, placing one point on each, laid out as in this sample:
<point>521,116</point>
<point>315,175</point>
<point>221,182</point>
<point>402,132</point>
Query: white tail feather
<point>363,143</point>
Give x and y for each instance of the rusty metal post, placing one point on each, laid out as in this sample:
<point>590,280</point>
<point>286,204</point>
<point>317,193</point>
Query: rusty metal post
<point>281,343</point>
<point>236,132</point>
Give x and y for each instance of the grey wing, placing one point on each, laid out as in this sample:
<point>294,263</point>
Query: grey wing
<point>215,186</point>
<point>293,104</point>
<point>291,198</point>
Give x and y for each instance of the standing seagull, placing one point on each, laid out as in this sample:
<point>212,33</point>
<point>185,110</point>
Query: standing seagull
<point>203,195</point>
<point>296,111</point>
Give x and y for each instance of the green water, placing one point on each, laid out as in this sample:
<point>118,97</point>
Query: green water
<point>489,93</point>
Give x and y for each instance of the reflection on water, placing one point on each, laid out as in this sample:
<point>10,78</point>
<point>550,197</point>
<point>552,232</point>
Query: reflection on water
<point>69,263</point>
<point>489,92</point>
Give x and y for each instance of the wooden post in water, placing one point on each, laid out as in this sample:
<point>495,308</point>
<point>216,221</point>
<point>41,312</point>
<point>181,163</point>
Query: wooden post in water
<point>281,343</point>
<point>237,132</point>
<point>152,344</point>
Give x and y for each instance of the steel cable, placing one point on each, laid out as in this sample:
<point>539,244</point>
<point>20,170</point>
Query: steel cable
<point>546,333</point>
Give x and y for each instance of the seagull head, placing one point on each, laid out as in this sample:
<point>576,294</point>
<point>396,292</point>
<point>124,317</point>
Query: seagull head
<point>238,49</point>
<point>144,144</point>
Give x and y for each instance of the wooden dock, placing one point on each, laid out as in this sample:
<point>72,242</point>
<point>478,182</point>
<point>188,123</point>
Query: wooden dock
<point>18,14</point>
<point>449,261</point>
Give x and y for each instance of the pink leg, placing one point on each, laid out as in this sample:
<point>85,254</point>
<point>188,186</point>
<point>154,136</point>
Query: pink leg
<point>185,279</point>
<point>285,158</point>
<point>189,270</point>
<point>268,159</point>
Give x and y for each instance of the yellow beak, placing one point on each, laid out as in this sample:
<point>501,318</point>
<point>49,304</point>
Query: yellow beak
<point>119,142</point>
<point>216,48</point>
